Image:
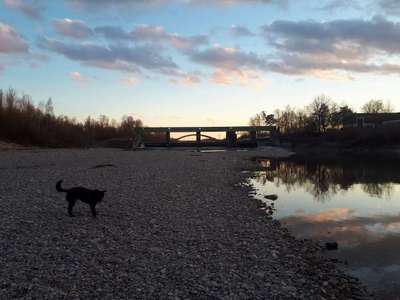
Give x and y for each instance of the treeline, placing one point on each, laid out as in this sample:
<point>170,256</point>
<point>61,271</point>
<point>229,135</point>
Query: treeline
<point>320,115</point>
<point>23,122</point>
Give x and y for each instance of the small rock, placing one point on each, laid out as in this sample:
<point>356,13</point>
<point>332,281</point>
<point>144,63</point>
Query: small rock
<point>272,197</point>
<point>331,246</point>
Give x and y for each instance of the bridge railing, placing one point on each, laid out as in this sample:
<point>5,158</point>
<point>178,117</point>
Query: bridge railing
<point>208,129</point>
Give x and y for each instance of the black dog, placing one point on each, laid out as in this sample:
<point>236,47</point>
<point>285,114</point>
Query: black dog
<point>92,197</point>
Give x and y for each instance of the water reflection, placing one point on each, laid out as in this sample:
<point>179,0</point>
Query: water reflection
<point>354,203</point>
<point>324,180</point>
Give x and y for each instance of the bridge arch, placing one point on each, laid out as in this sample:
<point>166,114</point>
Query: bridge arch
<point>195,135</point>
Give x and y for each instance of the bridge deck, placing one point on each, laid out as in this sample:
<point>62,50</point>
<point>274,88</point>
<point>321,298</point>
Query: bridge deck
<point>209,129</point>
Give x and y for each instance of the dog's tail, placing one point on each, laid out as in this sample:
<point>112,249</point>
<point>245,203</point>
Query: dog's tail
<point>59,188</point>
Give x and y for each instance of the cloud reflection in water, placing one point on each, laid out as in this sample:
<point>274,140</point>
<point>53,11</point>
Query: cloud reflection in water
<point>353,203</point>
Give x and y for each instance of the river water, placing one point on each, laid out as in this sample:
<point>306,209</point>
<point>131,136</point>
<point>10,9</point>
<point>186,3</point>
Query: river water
<point>355,203</point>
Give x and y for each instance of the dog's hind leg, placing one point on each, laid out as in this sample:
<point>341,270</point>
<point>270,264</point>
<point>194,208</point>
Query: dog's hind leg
<point>71,203</point>
<point>93,209</point>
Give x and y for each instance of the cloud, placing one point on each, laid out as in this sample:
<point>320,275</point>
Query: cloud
<point>76,76</point>
<point>237,77</point>
<point>341,4</point>
<point>241,31</point>
<point>378,34</point>
<point>232,65</point>
<point>354,45</point>
<point>153,34</point>
<point>112,32</point>
<point>235,2</point>
<point>31,9</point>
<point>187,78</point>
<point>157,34</point>
<point>228,58</point>
<point>390,7</point>
<point>130,81</point>
<point>115,57</point>
<point>115,3</point>
<point>72,28</point>
<point>11,41</point>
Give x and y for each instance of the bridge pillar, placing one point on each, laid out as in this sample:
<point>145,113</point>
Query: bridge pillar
<point>168,138</point>
<point>198,138</point>
<point>253,137</point>
<point>231,139</point>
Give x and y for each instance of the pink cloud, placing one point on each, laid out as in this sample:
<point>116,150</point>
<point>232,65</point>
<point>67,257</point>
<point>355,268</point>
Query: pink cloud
<point>11,41</point>
<point>130,81</point>
<point>76,76</point>
<point>72,28</point>
<point>187,79</point>
<point>238,77</point>
<point>29,9</point>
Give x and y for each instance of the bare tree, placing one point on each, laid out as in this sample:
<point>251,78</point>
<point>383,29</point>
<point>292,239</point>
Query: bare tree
<point>286,120</point>
<point>377,106</point>
<point>104,121</point>
<point>257,120</point>
<point>49,108</point>
<point>320,112</point>
<point>11,98</point>
<point>1,100</point>
<point>1,106</point>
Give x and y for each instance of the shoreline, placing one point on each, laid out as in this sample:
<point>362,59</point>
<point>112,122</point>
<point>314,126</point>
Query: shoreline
<point>174,224</point>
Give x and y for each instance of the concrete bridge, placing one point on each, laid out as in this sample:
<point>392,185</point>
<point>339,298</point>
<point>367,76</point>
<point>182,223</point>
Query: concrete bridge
<point>231,139</point>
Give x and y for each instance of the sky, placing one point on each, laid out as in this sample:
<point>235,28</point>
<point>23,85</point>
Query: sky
<point>199,62</point>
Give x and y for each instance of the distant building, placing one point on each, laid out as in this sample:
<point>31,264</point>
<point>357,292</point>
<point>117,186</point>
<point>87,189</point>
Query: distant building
<point>364,120</point>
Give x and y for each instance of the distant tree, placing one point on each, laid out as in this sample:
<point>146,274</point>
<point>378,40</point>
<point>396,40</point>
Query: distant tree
<point>320,112</point>
<point>286,119</point>
<point>302,120</point>
<point>113,123</point>
<point>262,119</point>
<point>257,120</point>
<point>338,114</point>
<point>1,101</point>
<point>23,122</point>
<point>41,106</point>
<point>103,121</point>
<point>269,120</point>
<point>11,98</point>
<point>129,126</point>
<point>49,108</point>
<point>377,106</point>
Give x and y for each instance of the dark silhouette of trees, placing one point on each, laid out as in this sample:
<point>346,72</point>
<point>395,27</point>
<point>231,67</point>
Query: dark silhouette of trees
<point>25,123</point>
<point>323,123</point>
<point>319,116</point>
<point>257,120</point>
<point>262,119</point>
<point>338,114</point>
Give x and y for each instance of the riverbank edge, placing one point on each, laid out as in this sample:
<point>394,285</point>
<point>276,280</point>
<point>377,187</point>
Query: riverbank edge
<point>332,152</point>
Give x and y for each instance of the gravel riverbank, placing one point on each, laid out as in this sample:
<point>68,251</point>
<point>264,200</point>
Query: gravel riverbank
<point>173,224</point>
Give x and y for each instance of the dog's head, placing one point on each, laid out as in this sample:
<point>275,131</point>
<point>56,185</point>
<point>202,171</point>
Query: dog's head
<point>99,195</point>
